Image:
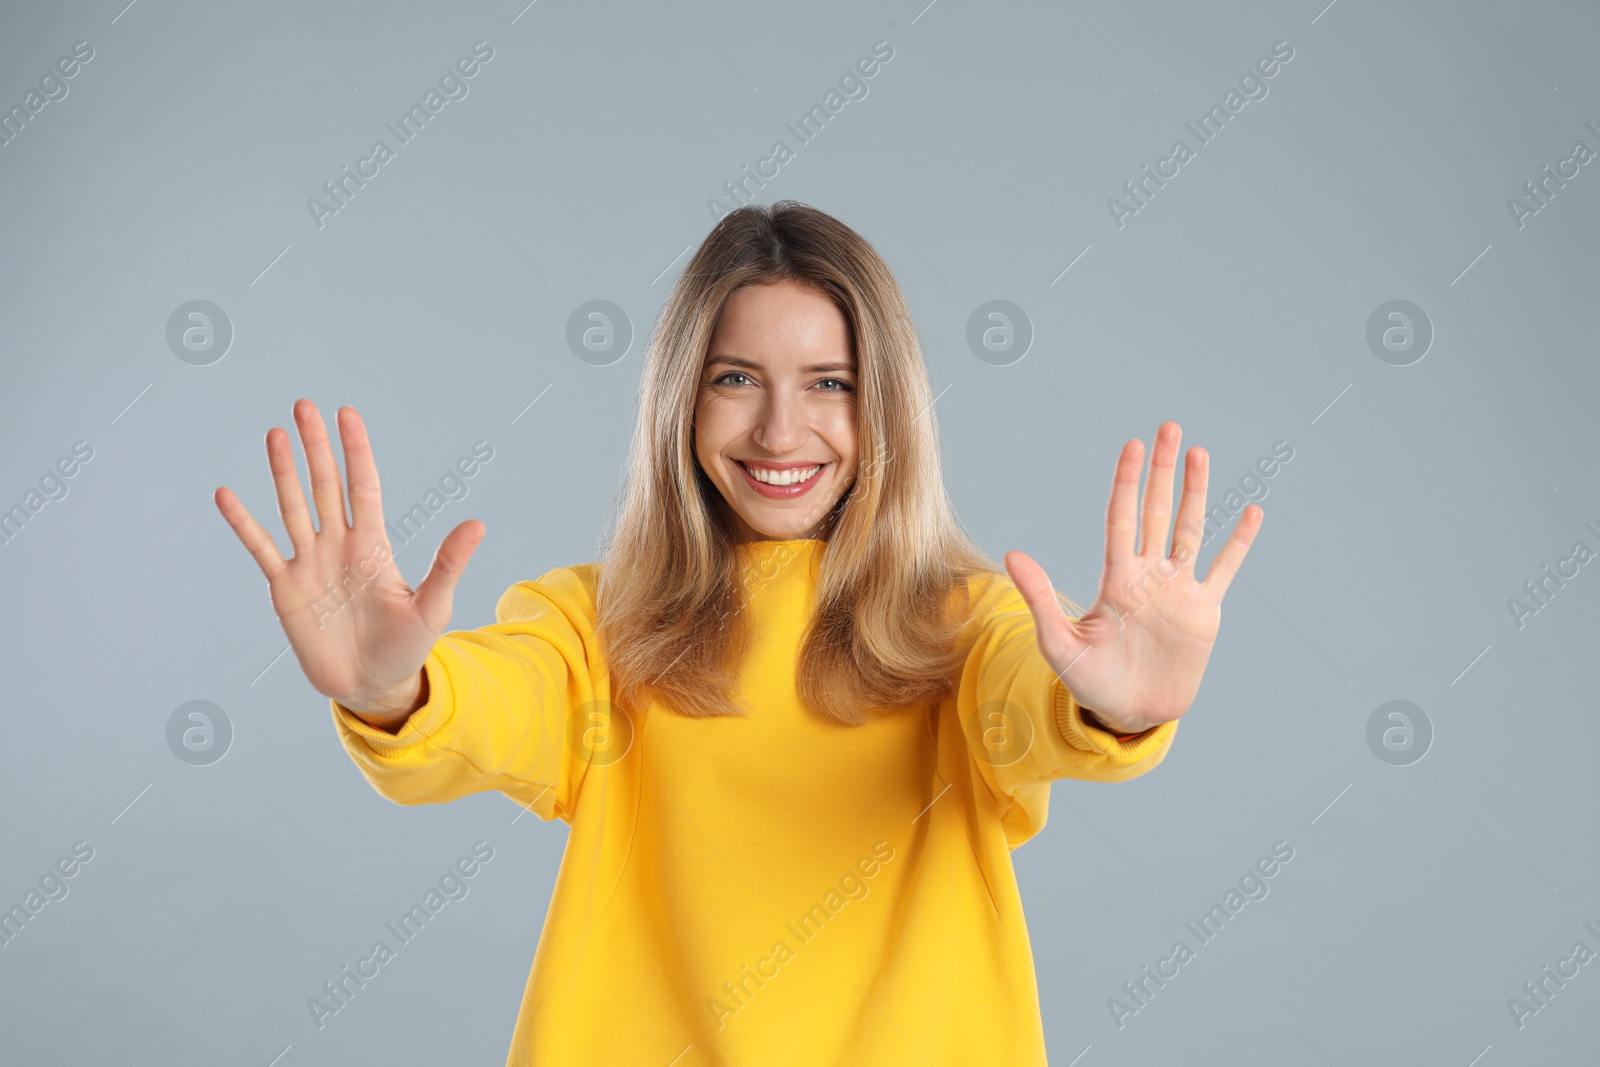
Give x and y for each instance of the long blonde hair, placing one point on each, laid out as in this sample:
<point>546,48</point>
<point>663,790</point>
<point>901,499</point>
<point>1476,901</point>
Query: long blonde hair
<point>892,586</point>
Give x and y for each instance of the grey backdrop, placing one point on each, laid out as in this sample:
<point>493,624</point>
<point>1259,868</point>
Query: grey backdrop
<point>1422,494</point>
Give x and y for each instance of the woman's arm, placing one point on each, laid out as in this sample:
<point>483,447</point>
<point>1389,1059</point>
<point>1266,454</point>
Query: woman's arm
<point>499,707</point>
<point>1024,725</point>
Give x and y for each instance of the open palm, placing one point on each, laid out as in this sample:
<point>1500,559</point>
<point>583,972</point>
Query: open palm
<point>1136,656</point>
<point>360,632</point>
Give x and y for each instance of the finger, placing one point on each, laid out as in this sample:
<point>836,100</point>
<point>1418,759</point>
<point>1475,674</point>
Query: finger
<point>1120,512</point>
<point>326,489</point>
<point>1227,562</point>
<point>437,591</point>
<point>291,500</point>
<point>256,540</point>
<point>366,502</point>
<point>1191,511</point>
<point>1050,618</point>
<point>1158,490</point>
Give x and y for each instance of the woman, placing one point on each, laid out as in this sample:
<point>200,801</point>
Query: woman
<point>795,719</point>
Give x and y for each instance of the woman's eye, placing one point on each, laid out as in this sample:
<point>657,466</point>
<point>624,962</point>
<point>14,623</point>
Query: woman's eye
<point>840,385</point>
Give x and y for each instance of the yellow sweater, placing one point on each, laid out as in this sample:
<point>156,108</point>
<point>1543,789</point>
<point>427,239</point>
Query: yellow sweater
<point>770,889</point>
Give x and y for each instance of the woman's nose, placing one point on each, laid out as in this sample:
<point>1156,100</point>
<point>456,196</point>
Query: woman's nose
<point>782,423</point>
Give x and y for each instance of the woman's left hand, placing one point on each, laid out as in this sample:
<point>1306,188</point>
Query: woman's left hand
<point>1134,659</point>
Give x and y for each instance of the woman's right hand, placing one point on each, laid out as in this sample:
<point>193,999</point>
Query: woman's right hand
<point>360,632</point>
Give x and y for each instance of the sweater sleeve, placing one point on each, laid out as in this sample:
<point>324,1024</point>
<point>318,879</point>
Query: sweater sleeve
<point>500,700</point>
<point>1025,729</point>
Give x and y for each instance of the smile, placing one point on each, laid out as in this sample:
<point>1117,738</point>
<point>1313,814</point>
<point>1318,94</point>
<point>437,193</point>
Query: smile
<point>781,484</point>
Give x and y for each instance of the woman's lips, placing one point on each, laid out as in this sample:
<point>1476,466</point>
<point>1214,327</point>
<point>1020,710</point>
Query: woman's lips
<point>780,492</point>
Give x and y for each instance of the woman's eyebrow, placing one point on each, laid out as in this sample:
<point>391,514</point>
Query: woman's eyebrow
<point>815,368</point>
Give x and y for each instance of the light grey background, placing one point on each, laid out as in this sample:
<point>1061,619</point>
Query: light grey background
<point>1418,501</point>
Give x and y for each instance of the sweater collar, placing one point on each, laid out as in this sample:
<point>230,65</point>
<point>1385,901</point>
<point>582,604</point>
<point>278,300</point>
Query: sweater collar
<point>765,553</point>
<point>763,547</point>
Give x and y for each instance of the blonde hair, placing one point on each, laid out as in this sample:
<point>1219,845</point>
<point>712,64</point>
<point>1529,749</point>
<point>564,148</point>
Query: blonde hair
<point>892,586</point>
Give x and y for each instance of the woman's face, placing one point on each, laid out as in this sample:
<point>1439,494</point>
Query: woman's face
<point>777,396</point>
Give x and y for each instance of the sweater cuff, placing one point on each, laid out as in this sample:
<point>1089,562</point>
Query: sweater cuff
<point>1078,733</point>
<point>423,724</point>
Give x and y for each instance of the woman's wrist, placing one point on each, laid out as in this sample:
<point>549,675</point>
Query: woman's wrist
<point>391,711</point>
<point>1097,721</point>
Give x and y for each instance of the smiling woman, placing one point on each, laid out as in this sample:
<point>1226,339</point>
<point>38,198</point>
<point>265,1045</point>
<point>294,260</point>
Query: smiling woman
<point>788,339</point>
<point>789,655</point>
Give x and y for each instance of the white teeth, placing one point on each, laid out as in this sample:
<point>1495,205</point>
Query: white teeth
<point>788,477</point>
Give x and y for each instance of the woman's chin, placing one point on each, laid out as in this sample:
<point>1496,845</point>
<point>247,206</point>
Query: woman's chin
<point>765,528</point>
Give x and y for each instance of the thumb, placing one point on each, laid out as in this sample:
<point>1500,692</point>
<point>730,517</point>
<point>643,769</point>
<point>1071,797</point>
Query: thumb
<point>1049,617</point>
<point>436,594</point>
